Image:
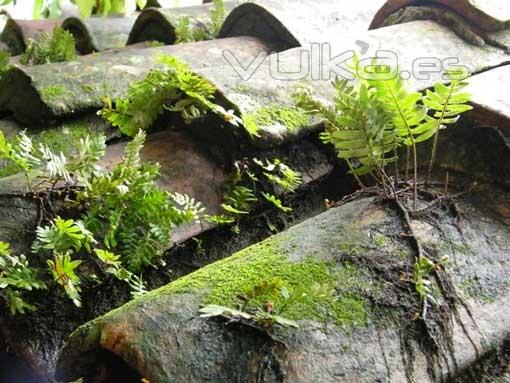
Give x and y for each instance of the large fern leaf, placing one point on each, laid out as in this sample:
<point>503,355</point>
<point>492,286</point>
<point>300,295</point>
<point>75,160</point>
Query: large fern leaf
<point>357,125</point>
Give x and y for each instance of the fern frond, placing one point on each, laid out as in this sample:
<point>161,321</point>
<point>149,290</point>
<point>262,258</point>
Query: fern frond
<point>217,16</point>
<point>132,151</point>
<point>276,202</point>
<point>447,103</point>
<point>56,164</point>
<point>52,47</point>
<point>176,89</point>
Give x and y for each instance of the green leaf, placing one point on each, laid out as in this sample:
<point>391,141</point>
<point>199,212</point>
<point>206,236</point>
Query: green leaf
<point>276,202</point>
<point>37,10</point>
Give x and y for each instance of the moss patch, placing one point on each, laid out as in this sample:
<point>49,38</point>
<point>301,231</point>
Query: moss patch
<point>53,91</point>
<point>290,117</point>
<point>265,262</point>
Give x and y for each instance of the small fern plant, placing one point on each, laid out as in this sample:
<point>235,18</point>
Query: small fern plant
<point>176,89</point>
<point>256,181</point>
<point>135,216</point>
<point>122,220</point>
<point>57,46</point>
<point>185,32</point>
<point>368,122</point>
<point>16,278</point>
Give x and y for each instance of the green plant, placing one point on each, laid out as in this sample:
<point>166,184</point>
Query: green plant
<point>276,202</point>
<point>447,102</point>
<point>176,89</point>
<point>252,307</point>
<point>134,214</point>
<point>246,188</point>
<point>217,16</point>
<point>63,268</point>
<point>17,276</point>
<point>63,236</point>
<point>4,62</point>
<point>113,266</point>
<point>280,174</point>
<point>422,270</point>
<point>52,8</point>
<point>124,219</point>
<point>258,306</point>
<point>368,122</point>
<point>50,48</point>
<point>261,318</point>
<point>186,32</point>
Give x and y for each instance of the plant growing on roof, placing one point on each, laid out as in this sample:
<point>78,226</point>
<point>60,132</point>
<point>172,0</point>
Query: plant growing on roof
<point>368,122</point>
<point>255,181</point>
<point>208,30</point>
<point>52,47</point>
<point>176,89</point>
<point>122,221</point>
<point>17,277</point>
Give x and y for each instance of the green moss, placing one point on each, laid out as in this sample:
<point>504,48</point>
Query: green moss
<point>380,240</point>
<point>402,253</point>
<point>155,44</point>
<point>289,116</point>
<point>265,262</point>
<point>52,91</point>
<point>350,248</point>
<point>64,138</point>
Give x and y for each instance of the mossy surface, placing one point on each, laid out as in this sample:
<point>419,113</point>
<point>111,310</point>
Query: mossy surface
<point>290,117</point>
<point>53,91</point>
<point>266,261</point>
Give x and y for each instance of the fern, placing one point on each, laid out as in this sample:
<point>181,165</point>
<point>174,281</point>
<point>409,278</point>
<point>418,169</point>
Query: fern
<point>16,276</point>
<point>50,48</point>
<point>176,89</point>
<point>358,126</point>
<point>447,102</point>
<point>367,123</point>
<point>125,214</point>
<point>239,200</point>
<point>217,16</point>
<point>56,164</point>
<point>276,202</point>
<point>21,152</point>
<point>114,267</point>
<point>63,236</point>
<point>209,30</point>
<point>280,174</point>
<point>135,217</point>
<point>183,31</point>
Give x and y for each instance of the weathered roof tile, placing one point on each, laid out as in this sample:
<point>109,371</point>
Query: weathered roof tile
<point>489,96</point>
<point>98,33</point>
<point>145,333</point>
<point>17,32</point>
<point>408,44</point>
<point>289,25</point>
<point>67,88</point>
<point>486,15</point>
